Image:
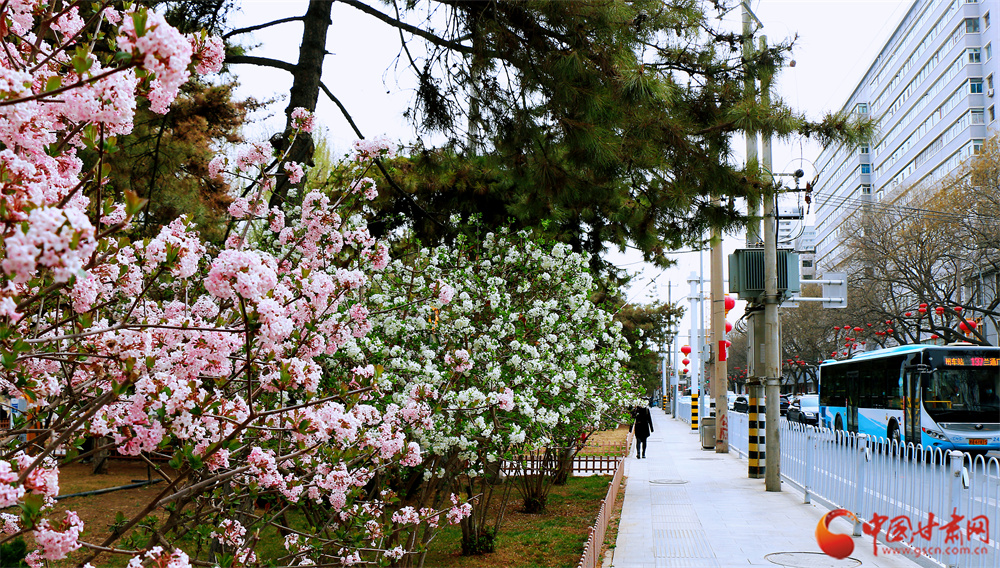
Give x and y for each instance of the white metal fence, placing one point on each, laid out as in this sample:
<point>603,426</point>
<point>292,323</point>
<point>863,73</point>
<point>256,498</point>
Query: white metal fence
<point>684,411</point>
<point>939,508</point>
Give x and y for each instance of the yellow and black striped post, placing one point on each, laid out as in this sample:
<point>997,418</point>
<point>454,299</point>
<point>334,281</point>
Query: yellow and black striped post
<point>694,411</point>
<point>664,406</point>
<point>755,453</point>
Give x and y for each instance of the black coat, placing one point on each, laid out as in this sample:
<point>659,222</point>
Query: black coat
<point>642,422</point>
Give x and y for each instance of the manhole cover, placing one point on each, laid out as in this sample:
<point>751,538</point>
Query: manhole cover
<point>810,560</point>
<point>668,481</point>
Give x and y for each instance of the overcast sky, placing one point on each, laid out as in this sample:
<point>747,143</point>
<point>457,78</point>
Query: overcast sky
<point>837,41</point>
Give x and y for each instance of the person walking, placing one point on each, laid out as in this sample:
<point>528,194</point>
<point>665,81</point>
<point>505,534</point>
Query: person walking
<point>642,422</point>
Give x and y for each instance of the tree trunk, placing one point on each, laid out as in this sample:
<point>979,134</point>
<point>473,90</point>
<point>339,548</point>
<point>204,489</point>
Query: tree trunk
<point>305,87</point>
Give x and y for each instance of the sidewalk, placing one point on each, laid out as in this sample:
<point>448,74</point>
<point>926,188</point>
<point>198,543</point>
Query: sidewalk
<point>686,507</point>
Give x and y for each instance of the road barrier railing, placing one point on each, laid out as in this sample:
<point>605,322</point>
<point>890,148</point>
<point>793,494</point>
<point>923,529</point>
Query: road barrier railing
<point>940,508</point>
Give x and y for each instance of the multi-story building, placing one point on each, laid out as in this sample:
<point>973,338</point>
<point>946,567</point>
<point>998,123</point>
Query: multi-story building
<point>932,90</point>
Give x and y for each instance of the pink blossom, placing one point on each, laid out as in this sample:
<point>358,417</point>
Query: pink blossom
<point>294,172</point>
<point>445,292</point>
<point>9,524</point>
<point>380,256</point>
<point>239,208</point>
<point>367,186</point>
<point>249,274</point>
<point>56,544</point>
<point>59,239</point>
<point>215,167</point>
<point>412,457</point>
<point>69,23</point>
<point>406,516</point>
<point>378,147</point>
<point>276,220</point>
<point>506,399</point>
<point>162,50</point>
<point>303,119</point>
<point>209,53</point>
<point>230,532</point>
<point>8,308</point>
<point>457,513</point>
<point>114,17</point>
<point>460,361</point>
<point>252,155</point>
<point>116,215</point>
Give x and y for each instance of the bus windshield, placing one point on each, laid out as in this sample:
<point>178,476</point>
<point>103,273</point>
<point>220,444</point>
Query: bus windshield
<point>967,394</point>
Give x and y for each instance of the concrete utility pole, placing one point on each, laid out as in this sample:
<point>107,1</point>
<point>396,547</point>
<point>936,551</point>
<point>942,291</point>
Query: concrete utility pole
<point>695,378</point>
<point>753,208</point>
<point>755,470</point>
<point>719,369</point>
<point>772,349</point>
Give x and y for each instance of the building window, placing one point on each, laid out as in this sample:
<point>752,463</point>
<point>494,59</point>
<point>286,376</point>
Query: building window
<point>861,108</point>
<point>986,20</point>
<point>866,189</point>
<point>864,147</point>
<point>977,116</point>
<point>975,86</point>
<point>989,81</point>
<point>974,54</point>
<point>866,169</point>
<point>972,25</point>
<point>989,51</point>
<point>807,264</point>
<point>991,114</point>
<point>977,146</point>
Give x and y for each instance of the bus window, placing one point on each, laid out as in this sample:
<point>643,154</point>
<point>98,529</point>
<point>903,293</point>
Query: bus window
<point>965,394</point>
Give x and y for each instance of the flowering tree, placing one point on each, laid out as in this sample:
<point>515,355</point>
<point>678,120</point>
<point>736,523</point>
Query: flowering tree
<point>238,364</point>
<point>512,355</point>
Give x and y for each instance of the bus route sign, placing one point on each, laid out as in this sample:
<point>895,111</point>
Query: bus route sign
<point>972,361</point>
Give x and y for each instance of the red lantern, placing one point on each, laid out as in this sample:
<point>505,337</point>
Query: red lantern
<point>729,327</point>
<point>939,310</point>
<point>890,330</point>
<point>728,343</point>
<point>730,303</point>
<point>973,325</point>
<point>686,350</point>
<point>686,361</point>
<point>964,328</point>
<point>858,329</point>
<point>836,328</point>
<point>922,310</point>
<point>934,336</point>
<point>924,306</point>
<point>684,370</point>
<point>888,322</point>
<point>908,314</point>
<point>958,309</point>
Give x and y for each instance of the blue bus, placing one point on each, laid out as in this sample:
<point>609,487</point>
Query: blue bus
<point>939,396</point>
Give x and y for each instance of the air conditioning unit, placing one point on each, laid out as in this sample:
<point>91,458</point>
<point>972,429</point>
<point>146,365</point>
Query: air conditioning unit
<point>746,273</point>
<point>989,92</point>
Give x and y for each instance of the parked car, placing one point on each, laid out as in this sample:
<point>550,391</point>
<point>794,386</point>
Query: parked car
<point>741,404</point>
<point>805,410</point>
<point>783,404</point>
<point>732,399</point>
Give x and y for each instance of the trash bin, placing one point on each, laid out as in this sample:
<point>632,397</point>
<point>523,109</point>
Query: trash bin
<point>708,433</point>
